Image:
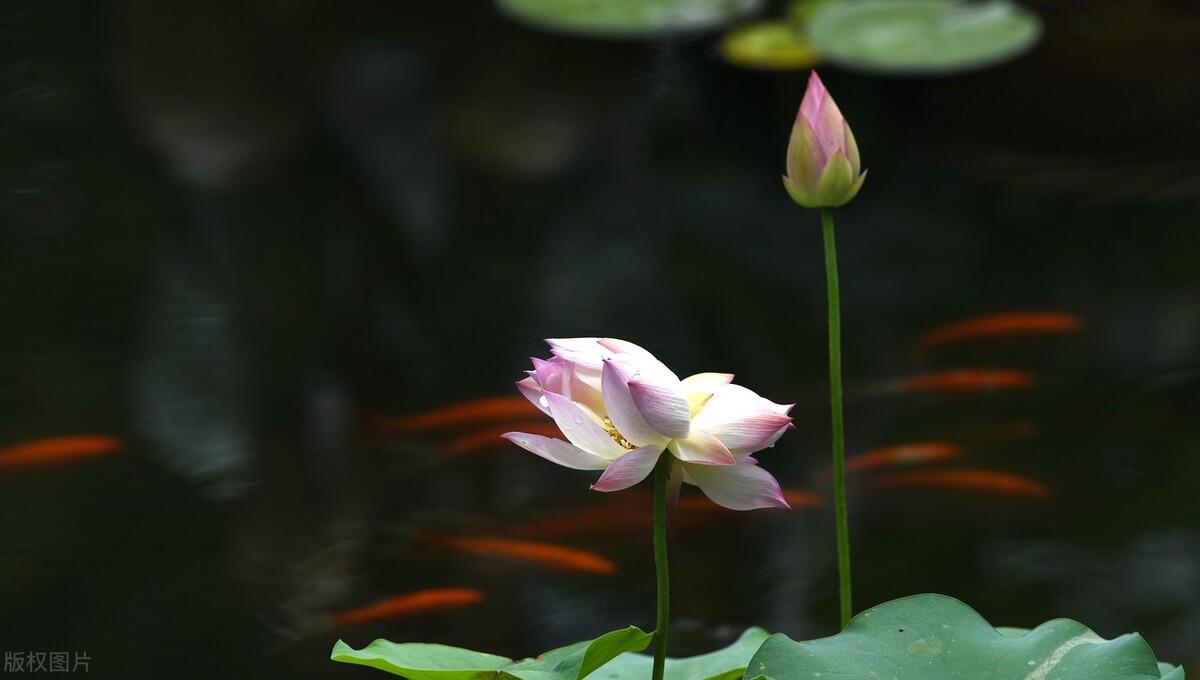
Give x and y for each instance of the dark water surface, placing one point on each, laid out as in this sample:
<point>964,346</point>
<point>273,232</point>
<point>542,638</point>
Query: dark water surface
<point>232,232</point>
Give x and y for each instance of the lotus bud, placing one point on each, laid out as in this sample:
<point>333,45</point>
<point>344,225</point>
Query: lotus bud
<point>823,166</point>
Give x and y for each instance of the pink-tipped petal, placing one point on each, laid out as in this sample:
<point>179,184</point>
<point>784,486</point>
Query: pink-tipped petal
<point>586,352</point>
<point>830,127</point>
<point>698,388</point>
<point>814,96</point>
<point>582,427</point>
<point>702,448</point>
<point>662,404</point>
<point>742,420</point>
<point>570,380</point>
<point>823,117</point>
<point>781,409</point>
<point>553,375</point>
<point>629,469</point>
<point>618,404</point>
<point>532,391</point>
<point>557,451</point>
<point>639,361</point>
<point>738,487</point>
<point>548,373</point>
<point>633,351</point>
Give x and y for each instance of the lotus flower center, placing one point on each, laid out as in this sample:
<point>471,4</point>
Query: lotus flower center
<point>616,435</point>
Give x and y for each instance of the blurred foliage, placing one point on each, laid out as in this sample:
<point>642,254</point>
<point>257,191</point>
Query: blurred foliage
<point>769,45</point>
<point>921,36</point>
<point>627,18</point>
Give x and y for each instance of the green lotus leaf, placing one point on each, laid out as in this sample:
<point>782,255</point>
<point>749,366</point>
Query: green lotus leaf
<point>579,660</point>
<point>419,661</point>
<point>727,663</point>
<point>934,637</point>
<point>627,18</point>
<point>921,36</point>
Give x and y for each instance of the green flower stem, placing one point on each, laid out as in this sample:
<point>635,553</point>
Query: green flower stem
<point>835,407</point>
<point>662,474</point>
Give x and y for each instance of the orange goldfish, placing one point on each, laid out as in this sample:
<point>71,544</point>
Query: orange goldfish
<point>1013,323</point>
<point>58,450</point>
<point>960,380</point>
<point>546,554</point>
<point>489,438</point>
<point>915,452</point>
<point>463,413</point>
<point>420,602</point>
<point>802,499</point>
<point>991,481</point>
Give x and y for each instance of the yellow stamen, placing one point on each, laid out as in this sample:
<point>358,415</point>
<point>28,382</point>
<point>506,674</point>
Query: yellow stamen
<point>616,436</point>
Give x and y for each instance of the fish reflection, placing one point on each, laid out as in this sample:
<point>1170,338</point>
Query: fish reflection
<point>903,454</point>
<point>559,557</point>
<point>633,513</point>
<point>988,481</point>
<point>1001,325</point>
<point>411,604</point>
<point>1133,580</point>
<point>957,381</point>
<point>803,499</point>
<point>490,438</point>
<point>471,412</point>
<point>56,450</point>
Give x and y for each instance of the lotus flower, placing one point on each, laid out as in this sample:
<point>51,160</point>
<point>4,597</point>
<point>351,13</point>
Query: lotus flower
<point>620,408</point>
<point>823,166</point>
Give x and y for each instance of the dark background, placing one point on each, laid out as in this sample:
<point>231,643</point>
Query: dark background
<point>230,229</point>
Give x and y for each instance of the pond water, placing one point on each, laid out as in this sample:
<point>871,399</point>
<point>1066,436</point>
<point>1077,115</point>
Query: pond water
<point>247,239</point>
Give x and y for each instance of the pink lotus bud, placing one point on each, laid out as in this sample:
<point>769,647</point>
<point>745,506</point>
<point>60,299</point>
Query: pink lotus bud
<point>823,166</point>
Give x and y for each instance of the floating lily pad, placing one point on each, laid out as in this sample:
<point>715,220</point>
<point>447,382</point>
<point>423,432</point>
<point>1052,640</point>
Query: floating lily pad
<point>770,45</point>
<point>627,18</point>
<point>921,36</point>
<point>419,661</point>
<point>727,663</point>
<point>934,637</point>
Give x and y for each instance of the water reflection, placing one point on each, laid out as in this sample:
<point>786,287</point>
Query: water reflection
<point>247,238</point>
<point>1153,580</point>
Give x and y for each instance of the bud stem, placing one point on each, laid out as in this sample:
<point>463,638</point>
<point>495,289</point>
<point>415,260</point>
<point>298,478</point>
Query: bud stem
<point>835,407</point>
